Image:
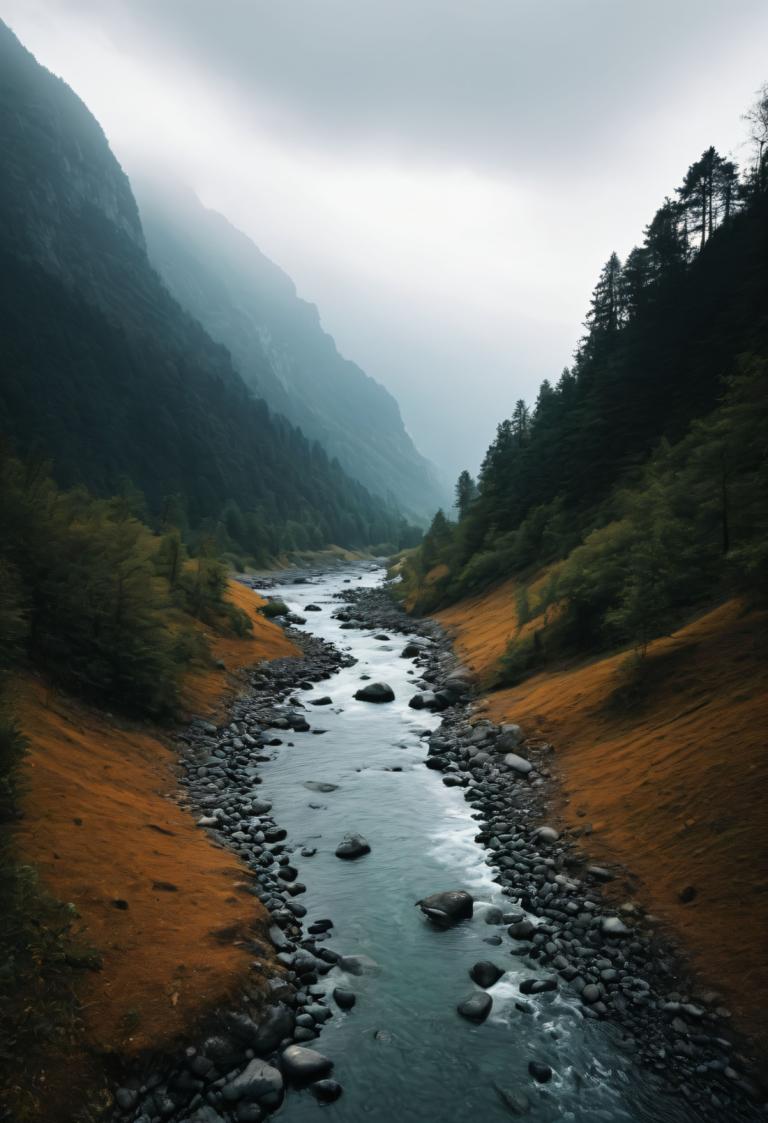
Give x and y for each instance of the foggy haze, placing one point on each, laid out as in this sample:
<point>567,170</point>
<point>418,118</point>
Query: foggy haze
<point>443,180</point>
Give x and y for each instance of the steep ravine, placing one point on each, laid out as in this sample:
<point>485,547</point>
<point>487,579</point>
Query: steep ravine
<point>590,1017</point>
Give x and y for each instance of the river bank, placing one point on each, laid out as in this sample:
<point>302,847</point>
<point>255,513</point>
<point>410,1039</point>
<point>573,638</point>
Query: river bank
<point>574,965</point>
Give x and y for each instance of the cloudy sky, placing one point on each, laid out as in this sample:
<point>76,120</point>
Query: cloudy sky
<point>444,178</point>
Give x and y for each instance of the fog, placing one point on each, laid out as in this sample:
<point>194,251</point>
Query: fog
<point>443,179</point>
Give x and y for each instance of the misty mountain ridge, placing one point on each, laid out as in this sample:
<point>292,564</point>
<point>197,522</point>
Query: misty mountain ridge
<point>103,371</point>
<point>279,346</point>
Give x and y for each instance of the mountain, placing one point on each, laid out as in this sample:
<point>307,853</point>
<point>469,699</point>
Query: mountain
<point>104,372</point>
<point>279,346</point>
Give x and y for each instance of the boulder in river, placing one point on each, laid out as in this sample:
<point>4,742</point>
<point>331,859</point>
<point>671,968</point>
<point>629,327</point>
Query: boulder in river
<point>326,1091</point>
<point>320,786</point>
<point>375,692</point>
<point>485,973</point>
<point>476,1007</point>
<point>448,907</point>
<point>344,999</point>
<point>302,1065</point>
<point>352,846</point>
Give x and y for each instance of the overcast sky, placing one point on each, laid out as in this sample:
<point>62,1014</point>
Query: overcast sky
<point>443,178</point>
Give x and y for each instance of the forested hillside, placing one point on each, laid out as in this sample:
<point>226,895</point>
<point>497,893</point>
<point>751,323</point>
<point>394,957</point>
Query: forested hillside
<point>638,478</point>
<point>279,346</point>
<point>104,373</point>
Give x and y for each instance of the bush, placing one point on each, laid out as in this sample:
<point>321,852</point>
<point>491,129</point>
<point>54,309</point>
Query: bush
<point>274,608</point>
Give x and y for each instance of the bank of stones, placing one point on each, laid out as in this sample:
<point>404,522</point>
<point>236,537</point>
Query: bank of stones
<point>559,920</point>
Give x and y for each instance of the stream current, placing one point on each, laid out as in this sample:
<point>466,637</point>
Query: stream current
<point>403,1054</point>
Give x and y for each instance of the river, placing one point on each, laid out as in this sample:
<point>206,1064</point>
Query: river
<point>403,1054</point>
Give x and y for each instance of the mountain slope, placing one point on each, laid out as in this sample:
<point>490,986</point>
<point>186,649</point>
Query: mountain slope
<point>276,339</point>
<point>105,373</point>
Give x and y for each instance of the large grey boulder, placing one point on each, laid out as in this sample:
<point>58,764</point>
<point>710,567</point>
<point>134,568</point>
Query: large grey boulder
<point>485,973</point>
<point>301,1065</point>
<point>352,846</point>
<point>476,1007</point>
<point>518,764</point>
<point>448,907</point>
<point>375,692</point>
<point>259,1081</point>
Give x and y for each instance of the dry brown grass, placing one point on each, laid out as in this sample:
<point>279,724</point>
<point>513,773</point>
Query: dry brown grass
<point>672,780</point>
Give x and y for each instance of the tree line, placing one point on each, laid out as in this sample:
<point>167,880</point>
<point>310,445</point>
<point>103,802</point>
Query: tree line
<point>674,346</point>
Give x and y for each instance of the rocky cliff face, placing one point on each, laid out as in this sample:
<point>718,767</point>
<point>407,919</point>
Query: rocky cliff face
<point>279,346</point>
<point>104,373</point>
<point>61,189</point>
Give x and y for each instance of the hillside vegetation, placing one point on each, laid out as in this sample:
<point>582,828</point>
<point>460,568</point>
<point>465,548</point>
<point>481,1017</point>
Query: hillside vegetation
<point>639,478</point>
<point>105,375</point>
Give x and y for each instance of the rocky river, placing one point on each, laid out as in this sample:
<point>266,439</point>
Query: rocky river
<point>445,952</point>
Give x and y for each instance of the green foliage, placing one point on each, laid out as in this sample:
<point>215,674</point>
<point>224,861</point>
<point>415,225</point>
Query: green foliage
<point>641,474</point>
<point>87,594</point>
<point>274,608</point>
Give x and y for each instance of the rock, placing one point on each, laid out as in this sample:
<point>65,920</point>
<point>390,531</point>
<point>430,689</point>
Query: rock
<point>344,999</point>
<point>493,915</point>
<point>302,1065</point>
<point>546,834</point>
<point>522,930</point>
<point>126,1098</point>
<point>517,1102</point>
<point>591,993</point>
<point>352,846</point>
<point>324,701</point>
<point>612,926</point>
<point>448,907</point>
<point>224,1051</point>
<point>541,1073</point>
<point>258,1081</point>
<point>264,1037</point>
<point>358,964</point>
<point>485,973</point>
<point>476,1007</point>
<point>203,1114</point>
<point>518,764</point>
<point>326,1091</point>
<point>320,786</point>
<point>685,896</point>
<point>375,692</point>
<point>312,608</point>
<point>599,873</point>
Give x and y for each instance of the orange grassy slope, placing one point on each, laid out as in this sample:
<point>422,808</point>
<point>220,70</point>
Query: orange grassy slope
<point>673,785</point>
<point>102,825</point>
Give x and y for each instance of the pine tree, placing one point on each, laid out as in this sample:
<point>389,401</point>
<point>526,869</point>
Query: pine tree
<point>466,493</point>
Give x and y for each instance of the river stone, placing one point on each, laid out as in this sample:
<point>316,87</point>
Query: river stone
<point>344,999</point>
<point>485,973</point>
<point>258,1081</point>
<point>358,964</point>
<point>320,786</point>
<point>375,692</point>
<point>522,930</point>
<point>546,834</point>
<point>223,1050</point>
<point>324,701</point>
<point>352,846</point>
<point>518,764</point>
<point>476,1007</point>
<point>493,915</point>
<point>204,1114</point>
<point>517,1102</point>
<point>541,1073</point>
<point>612,926</point>
<point>301,1065</point>
<point>448,907</point>
<point>326,1091</point>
